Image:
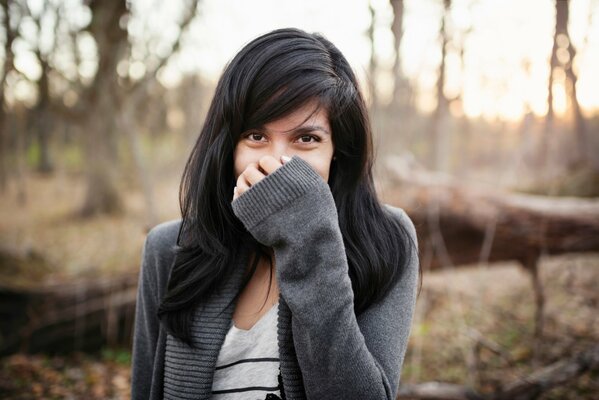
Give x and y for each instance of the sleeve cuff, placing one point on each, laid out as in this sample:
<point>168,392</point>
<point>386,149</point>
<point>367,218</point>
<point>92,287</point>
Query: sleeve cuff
<point>287,183</point>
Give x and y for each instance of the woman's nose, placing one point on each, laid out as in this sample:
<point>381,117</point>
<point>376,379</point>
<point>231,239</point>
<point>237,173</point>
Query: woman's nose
<point>282,149</point>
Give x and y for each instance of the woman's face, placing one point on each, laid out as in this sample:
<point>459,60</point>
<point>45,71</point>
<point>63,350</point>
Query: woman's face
<point>312,140</point>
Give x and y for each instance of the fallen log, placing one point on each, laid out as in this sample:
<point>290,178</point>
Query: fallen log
<point>459,223</point>
<point>81,315</point>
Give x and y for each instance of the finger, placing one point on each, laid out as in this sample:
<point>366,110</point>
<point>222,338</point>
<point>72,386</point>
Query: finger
<point>242,185</point>
<point>269,164</point>
<point>252,174</point>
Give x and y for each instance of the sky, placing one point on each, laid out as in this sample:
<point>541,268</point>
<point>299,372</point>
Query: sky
<point>506,51</point>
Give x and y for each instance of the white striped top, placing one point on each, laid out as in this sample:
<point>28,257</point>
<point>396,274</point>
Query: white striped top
<point>247,367</point>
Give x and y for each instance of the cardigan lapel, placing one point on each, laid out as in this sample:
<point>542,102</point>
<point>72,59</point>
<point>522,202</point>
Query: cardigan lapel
<point>189,372</point>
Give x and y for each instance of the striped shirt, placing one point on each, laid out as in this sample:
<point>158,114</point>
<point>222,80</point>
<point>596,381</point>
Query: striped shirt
<point>248,362</point>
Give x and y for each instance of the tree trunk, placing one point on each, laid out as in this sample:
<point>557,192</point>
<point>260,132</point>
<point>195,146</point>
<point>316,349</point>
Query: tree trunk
<point>43,120</point>
<point>550,115</point>
<point>562,12</point>
<point>10,35</point>
<point>562,41</point>
<point>402,91</point>
<point>372,66</point>
<point>126,124</point>
<point>440,122</point>
<point>103,195</point>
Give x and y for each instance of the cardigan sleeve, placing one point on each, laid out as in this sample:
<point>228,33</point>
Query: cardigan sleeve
<point>293,211</point>
<point>146,328</point>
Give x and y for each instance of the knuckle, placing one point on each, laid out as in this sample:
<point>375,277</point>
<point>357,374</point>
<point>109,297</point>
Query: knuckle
<point>266,161</point>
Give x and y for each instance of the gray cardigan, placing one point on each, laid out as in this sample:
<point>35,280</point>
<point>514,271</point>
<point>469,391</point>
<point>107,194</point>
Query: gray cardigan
<point>326,352</point>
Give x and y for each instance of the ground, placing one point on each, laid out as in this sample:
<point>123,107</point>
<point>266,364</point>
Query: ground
<point>496,302</point>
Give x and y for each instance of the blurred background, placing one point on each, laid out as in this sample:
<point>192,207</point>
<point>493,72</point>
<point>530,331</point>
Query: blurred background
<point>486,123</point>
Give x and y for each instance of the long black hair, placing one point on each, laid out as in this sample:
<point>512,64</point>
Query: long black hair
<point>270,77</point>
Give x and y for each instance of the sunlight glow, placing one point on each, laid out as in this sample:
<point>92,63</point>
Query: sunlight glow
<point>503,70</point>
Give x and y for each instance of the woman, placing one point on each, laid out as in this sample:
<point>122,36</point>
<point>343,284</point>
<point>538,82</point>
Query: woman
<point>285,278</point>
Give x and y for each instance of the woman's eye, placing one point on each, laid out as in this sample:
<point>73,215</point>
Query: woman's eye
<point>254,135</point>
<point>257,137</point>
<point>316,139</point>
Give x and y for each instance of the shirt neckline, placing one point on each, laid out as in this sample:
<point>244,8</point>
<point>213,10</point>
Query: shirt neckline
<point>259,321</point>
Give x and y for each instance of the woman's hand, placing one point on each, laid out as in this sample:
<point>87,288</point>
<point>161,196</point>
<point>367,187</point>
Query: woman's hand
<point>253,173</point>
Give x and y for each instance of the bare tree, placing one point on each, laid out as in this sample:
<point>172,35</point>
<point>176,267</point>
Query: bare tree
<point>46,19</point>
<point>372,66</point>
<point>402,91</point>
<point>119,101</point>
<point>441,113</point>
<point>562,56</point>
<point>10,34</point>
<point>101,101</point>
<point>103,104</point>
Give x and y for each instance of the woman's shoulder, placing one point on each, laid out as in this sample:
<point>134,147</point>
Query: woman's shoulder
<point>164,235</point>
<point>402,216</point>
<point>160,249</point>
<point>396,210</point>
<point>408,281</point>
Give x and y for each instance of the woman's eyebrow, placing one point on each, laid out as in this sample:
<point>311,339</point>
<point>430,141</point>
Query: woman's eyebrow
<point>309,128</point>
<point>301,129</point>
